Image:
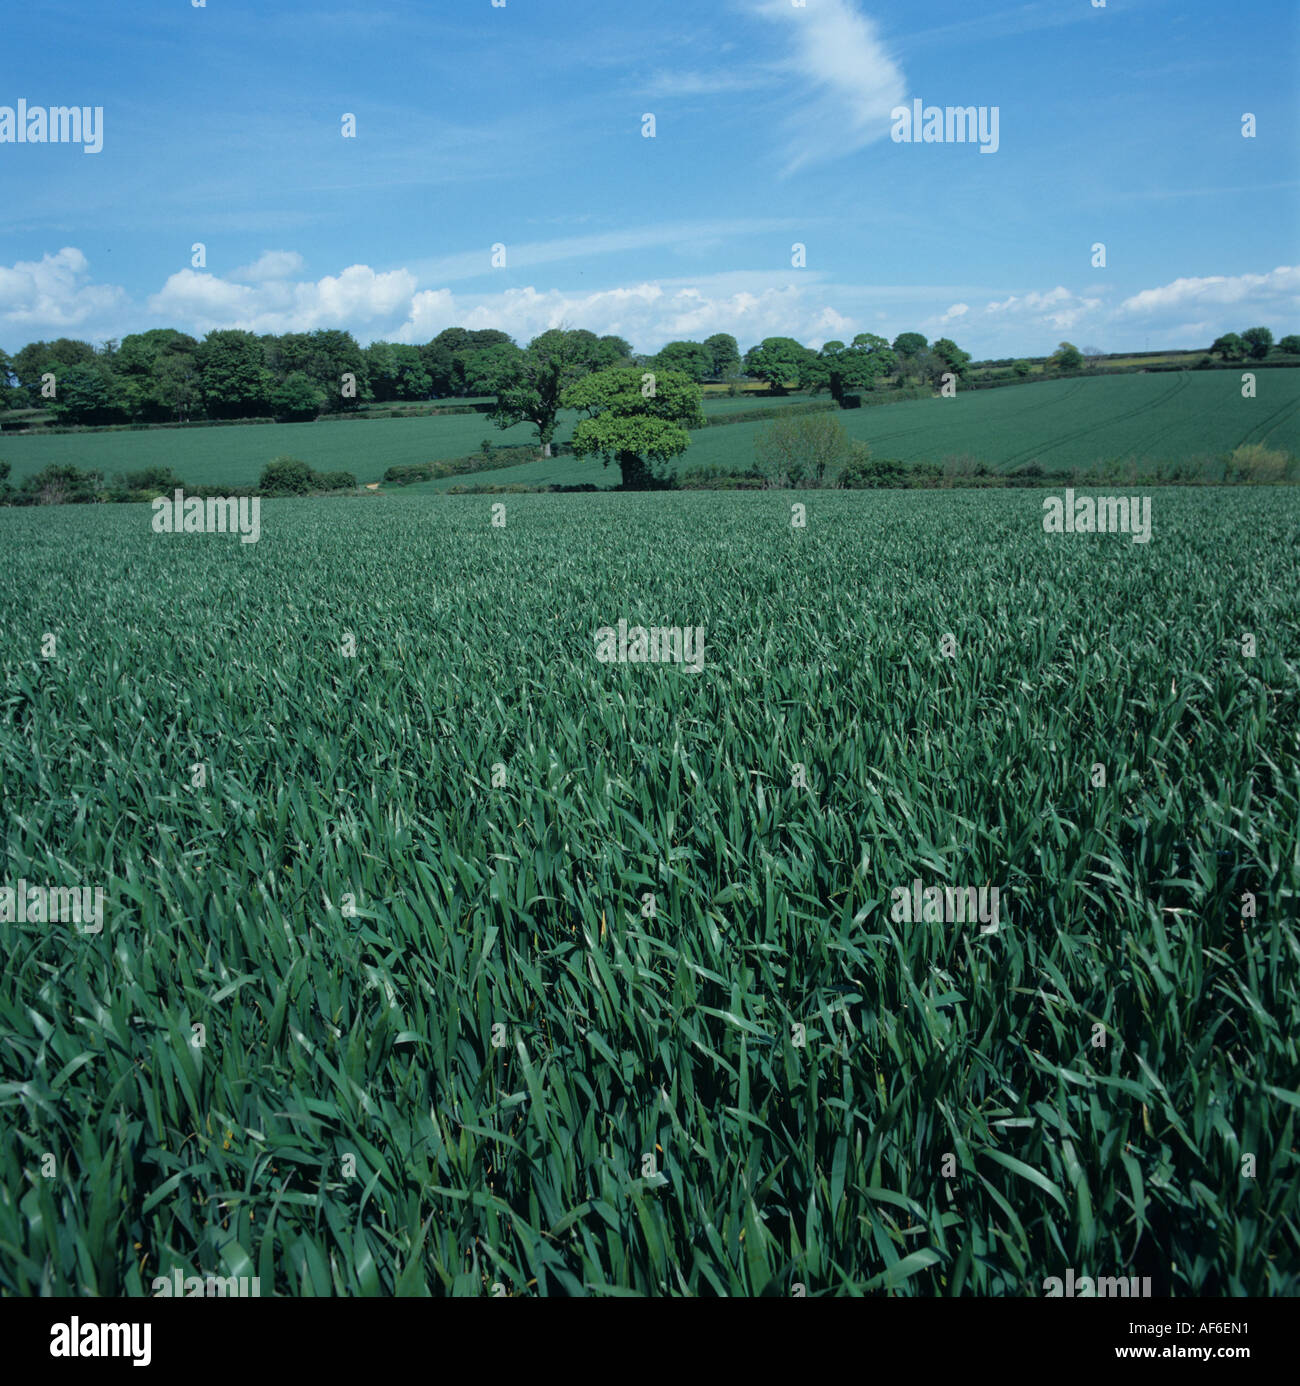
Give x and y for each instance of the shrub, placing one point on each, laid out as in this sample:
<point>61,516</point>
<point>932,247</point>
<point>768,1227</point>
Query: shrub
<point>335,481</point>
<point>286,476</point>
<point>145,485</point>
<point>1254,462</point>
<point>1029,475</point>
<point>959,468</point>
<point>862,472</point>
<point>59,484</point>
<point>813,445</point>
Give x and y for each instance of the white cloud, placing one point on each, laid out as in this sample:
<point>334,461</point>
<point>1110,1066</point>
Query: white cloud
<point>1278,291</point>
<point>1058,308</point>
<point>356,297</point>
<point>682,84</point>
<point>56,295</point>
<point>53,294</point>
<point>854,80</point>
<point>686,237</point>
<point>647,314</point>
<point>271,264</point>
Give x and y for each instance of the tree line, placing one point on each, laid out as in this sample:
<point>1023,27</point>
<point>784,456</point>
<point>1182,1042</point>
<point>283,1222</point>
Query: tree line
<point>165,375</point>
<point>1253,344</point>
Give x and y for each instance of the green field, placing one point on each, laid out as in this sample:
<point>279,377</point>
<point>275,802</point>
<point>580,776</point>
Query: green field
<point>1061,425</point>
<point>236,454</point>
<point>1192,417</point>
<point>767,1080</point>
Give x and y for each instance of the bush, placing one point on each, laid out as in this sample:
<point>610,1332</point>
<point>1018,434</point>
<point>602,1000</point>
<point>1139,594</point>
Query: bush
<point>62,485</point>
<point>286,476</point>
<point>1256,463</point>
<point>1029,475</point>
<point>863,473</point>
<point>335,481</point>
<point>145,485</point>
<point>961,467</point>
<point>812,445</point>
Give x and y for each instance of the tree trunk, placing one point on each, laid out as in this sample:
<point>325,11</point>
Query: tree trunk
<point>546,449</point>
<point>636,475</point>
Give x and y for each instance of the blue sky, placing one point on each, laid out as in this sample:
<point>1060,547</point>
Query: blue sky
<point>522,125</point>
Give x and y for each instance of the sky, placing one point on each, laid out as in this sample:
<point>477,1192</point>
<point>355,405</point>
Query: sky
<point>522,125</point>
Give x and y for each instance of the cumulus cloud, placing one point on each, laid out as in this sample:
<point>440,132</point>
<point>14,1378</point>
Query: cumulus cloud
<point>54,293</point>
<point>647,314</point>
<point>353,299</point>
<point>1058,308</point>
<point>853,81</point>
<point>57,295</point>
<point>1278,290</point>
<point>271,264</point>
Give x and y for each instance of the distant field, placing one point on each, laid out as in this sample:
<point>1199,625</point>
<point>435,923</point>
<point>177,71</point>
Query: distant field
<point>1118,362</point>
<point>236,454</point>
<point>1188,416</point>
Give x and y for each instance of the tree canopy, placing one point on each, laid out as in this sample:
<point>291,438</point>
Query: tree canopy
<point>777,360</point>
<point>634,418</point>
<point>551,364</point>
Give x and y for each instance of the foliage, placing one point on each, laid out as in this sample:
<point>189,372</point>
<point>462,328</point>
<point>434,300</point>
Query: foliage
<point>553,362</point>
<point>1067,357</point>
<point>777,360</point>
<point>692,359</point>
<point>1259,342</point>
<point>633,423</point>
<point>724,355</point>
<point>1255,462</point>
<point>814,446</point>
<point>849,369</point>
<point>290,476</point>
<point>297,397</point>
<point>797,1064</point>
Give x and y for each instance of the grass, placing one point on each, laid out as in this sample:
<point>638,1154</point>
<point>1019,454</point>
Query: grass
<point>965,1114</point>
<point>1140,422</point>
<point>235,455</point>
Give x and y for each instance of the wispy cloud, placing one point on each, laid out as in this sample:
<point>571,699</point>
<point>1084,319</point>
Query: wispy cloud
<point>1013,22</point>
<point>716,83</point>
<point>684,236</point>
<point>850,80</point>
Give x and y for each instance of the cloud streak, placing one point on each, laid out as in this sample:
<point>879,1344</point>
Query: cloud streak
<point>850,80</point>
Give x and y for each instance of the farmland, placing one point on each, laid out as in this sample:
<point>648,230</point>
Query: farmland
<point>1123,421</point>
<point>1192,418</point>
<point>439,956</point>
